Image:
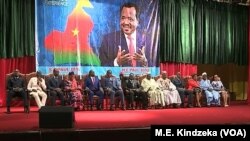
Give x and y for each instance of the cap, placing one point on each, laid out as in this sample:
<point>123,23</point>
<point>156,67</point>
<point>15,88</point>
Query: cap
<point>163,72</point>
<point>109,71</point>
<point>71,73</point>
<point>204,73</point>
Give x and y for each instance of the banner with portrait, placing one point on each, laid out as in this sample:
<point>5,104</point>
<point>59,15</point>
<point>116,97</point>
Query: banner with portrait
<point>80,35</point>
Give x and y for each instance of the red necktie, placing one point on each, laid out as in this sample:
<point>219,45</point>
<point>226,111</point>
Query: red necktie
<point>131,50</point>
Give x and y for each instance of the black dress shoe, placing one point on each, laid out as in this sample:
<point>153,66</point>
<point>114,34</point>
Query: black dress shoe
<point>112,108</point>
<point>123,108</point>
<point>99,108</point>
<point>8,112</point>
<point>26,109</point>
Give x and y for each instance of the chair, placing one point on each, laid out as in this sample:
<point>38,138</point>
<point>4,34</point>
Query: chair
<point>16,98</point>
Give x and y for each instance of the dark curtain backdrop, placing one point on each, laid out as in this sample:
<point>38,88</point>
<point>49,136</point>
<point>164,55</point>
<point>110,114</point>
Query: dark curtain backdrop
<point>203,32</point>
<point>17,28</point>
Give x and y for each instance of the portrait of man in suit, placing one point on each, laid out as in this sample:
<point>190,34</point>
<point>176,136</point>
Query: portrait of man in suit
<point>126,47</point>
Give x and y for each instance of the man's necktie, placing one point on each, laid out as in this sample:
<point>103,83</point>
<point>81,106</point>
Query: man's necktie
<point>56,79</point>
<point>131,50</point>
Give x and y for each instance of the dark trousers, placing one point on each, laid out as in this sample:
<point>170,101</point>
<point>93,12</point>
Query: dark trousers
<point>53,95</point>
<point>183,93</point>
<point>21,93</point>
<point>116,93</point>
<point>139,96</point>
<point>144,99</point>
<point>130,96</point>
<point>99,93</point>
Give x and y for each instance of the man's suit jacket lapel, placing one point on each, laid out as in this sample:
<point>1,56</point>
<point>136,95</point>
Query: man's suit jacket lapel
<point>123,41</point>
<point>139,42</point>
<point>95,81</point>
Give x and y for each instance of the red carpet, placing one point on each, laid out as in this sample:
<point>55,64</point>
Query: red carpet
<point>235,114</point>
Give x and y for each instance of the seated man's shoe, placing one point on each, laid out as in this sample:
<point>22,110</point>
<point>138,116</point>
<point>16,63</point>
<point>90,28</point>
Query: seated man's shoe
<point>112,108</point>
<point>8,111</point>
<point>128,108</point>
<point>132,107</point>
<point>123,108</point>
<point>182,105</point>
<point>190,106</point>
<point>91,108</point>
<point>176,105</point>
<point>99,108</point>
<point>218,105</point>
<point>26,110</point>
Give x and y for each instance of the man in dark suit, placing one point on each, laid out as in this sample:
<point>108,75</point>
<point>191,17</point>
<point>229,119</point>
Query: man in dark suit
<point>55,85</point>
<point>134,92</point>
<point>178,81</point>
<point>16,87</point>
<point>125,47</point>
<point>93,87</point>
<point>113,87</point>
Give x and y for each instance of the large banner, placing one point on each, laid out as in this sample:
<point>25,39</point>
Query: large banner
<point>79,35</point>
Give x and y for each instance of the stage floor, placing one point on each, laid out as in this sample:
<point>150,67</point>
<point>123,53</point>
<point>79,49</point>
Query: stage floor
<point>18,121</point>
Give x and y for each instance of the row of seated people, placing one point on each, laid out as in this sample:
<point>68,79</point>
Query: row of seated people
<point>214,90</point>
<point>55,86</point>
<point>70,90</point>
<point>145,91</point>
<point>17,86</point>
<point>209,91</point>
<point>160,93</point>
<point>173,91</point>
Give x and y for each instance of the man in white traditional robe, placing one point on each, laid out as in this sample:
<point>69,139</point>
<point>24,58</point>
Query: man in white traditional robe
<point>172,97</point>
<point>150,86</point>
<point>37,86</point>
